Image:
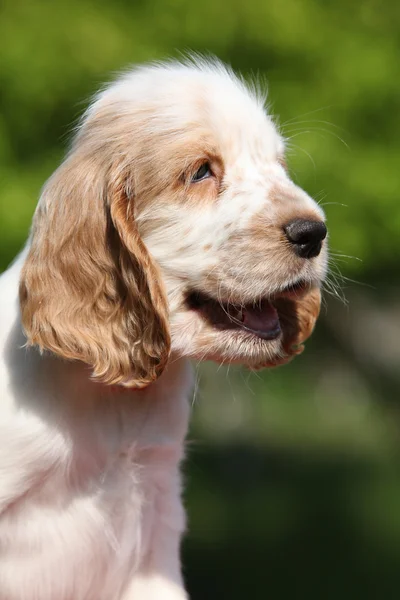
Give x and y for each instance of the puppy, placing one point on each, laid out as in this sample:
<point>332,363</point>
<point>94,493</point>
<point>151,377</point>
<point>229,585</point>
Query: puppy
<point>171,231</point>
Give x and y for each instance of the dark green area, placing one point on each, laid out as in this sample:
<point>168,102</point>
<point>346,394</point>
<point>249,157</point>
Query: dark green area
<point>298,526</point>
<point>293,477</point>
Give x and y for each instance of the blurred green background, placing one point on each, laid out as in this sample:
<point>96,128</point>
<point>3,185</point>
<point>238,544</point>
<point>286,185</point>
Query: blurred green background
<point>293,475</point>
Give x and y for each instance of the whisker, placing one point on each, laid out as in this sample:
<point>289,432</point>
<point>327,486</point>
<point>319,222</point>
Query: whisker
<point>331,289</point>
<point>311,112</point>
<point>362,283</point>
<point>319,197</point>
<point>336,203</point>
<point>246,382</point>
<point>196,386</point>
<point>332,283</point>
<point>295,146</point>
<point>318,131</point>
<point>310,122</point>
<point>339,254</point>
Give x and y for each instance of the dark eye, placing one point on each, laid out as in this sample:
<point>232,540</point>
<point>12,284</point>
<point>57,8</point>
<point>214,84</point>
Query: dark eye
<point>202,173</point>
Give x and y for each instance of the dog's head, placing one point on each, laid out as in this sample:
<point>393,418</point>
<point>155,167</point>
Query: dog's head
<point>173,223</point>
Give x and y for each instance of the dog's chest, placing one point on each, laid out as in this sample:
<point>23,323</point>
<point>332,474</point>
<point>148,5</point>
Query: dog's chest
<point>88,524</point>
<point>85,530</point>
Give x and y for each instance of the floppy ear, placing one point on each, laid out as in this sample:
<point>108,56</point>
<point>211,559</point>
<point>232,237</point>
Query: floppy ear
<point>89,289</point>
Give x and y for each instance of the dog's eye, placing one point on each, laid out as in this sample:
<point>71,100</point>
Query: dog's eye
<point>202,173</point>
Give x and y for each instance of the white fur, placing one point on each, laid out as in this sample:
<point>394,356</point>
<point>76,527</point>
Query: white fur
<point>90,503</point>
<point>90,488</point>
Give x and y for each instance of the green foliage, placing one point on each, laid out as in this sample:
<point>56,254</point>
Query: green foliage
<point>332,69</point>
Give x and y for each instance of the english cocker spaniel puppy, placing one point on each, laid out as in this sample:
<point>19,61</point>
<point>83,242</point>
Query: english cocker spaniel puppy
<point>172,230</point>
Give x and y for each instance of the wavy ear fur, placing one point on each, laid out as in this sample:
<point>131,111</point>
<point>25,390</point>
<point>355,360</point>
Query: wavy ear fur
<point>89,289</point>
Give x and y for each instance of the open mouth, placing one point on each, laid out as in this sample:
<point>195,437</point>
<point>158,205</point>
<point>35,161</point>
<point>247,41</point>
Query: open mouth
<point>261,319</point>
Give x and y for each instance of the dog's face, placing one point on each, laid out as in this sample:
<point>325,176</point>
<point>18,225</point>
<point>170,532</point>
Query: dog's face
<point>189,173</point>
<point>216,226</point>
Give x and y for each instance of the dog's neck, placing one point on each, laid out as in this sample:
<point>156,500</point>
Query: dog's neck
<point>62,394</point>
<point>158,414</point>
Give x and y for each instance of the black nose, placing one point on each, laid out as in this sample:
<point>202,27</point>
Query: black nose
<point>306,236</point>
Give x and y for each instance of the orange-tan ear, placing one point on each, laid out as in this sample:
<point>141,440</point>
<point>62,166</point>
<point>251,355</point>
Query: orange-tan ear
<point>89,289</point>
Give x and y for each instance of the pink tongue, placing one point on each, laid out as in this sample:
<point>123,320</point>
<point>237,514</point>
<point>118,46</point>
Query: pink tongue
<point>262,319</point>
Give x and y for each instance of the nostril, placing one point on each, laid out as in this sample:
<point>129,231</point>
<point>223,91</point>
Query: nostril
<point>306,236</point>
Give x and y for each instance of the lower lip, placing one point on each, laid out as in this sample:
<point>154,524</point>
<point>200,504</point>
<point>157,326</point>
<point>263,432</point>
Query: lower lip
<point>271,335</point>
